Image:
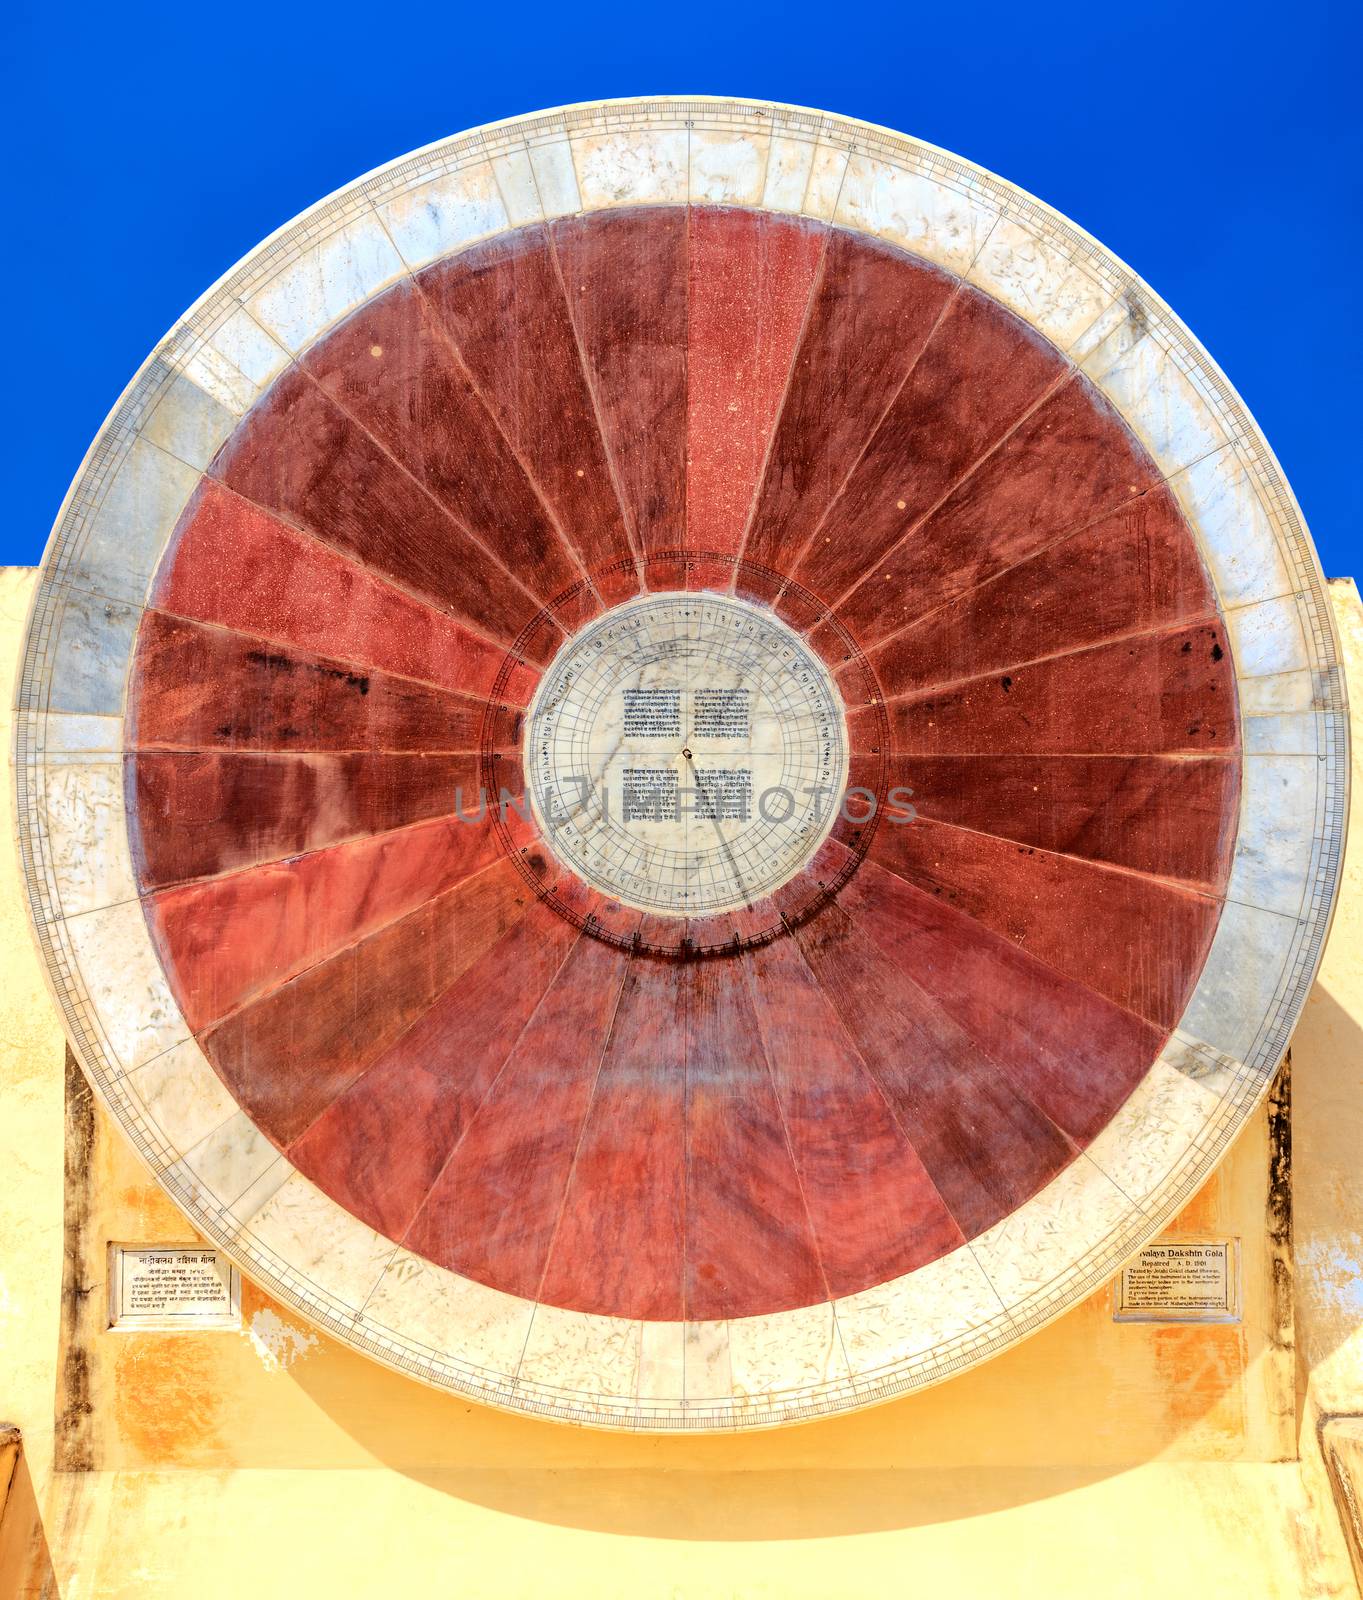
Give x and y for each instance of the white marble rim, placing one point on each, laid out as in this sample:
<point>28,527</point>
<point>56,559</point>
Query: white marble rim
<point>72,828</point>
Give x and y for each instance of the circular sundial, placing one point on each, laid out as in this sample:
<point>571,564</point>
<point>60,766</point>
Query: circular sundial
<point>686,754</point>
<point>681,764</point>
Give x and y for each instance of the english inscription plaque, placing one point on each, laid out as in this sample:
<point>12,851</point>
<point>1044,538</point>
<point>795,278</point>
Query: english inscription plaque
<point>1181,1280</point>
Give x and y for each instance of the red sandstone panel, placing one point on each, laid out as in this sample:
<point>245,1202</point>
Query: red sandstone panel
<point>504,307</point>
<point>874,1209</point>
<point>206,688</point>
<point>749,1242</point>
<point>230,940</point>
<point>872,314</point>
<point>393,370</point>
<point>381,1144</point>
<point>761,585</point>
<point>300,456</point>
<point>625,276</point>
<point>798,608</point>
<point>716,574</point>
<point>494,1212</point>
<point>859,797</point>
<point>234,810</point>
<point>1070,1051</point>
<point>474,915</point>
<point>1071,461</point>
<point>502,728</point>
<point>619,1245</point>
<point>666,1137</point>
<point>711,932</point>
<point>1133,571</point>
<point>286,1058</point>
<point>1137,940</point>
<point>613,920</point>
<point>378,1148</point>
<point>978,375</point>
<point>985,1146</point>
<point>1171,816</point>
<point>750,283</point>
<point>1160,692</point>
<point>235,565</point>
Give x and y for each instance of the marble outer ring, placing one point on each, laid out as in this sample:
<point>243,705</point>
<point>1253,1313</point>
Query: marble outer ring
<point>450,1331</point>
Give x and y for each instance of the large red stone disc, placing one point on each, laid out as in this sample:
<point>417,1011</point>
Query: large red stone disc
<point>712,494</point>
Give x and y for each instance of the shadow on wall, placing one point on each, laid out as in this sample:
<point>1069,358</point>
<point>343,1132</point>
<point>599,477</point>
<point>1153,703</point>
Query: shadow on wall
<point>1327,1134</point>
<point>871,1471</point>
<point>25,1562</point>
<point>1080,1402</point>
<point>795,1483</point>
<point>724,1505</point>
<point>1074,1392</point>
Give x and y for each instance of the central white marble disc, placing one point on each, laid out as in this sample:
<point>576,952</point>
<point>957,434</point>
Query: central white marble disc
<point>686,753</point>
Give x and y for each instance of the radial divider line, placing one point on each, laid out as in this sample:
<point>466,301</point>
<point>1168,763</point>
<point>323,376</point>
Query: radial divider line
<point>979,1267</point>
<point>993,933</point>
<point>440,506</point>
<point>1162,481</point>
<point>815,288</point>
<point>275,756</point>
<point>962,280</point>
<point>269,753</point>
<point>340,950</point>
<point>374,574</point>
<point>1225,753</point>
<point>606,1043</point>
<point>985,1055</point>
<point>296,362</point>
<point>835,1013</point>
<point>150,891</point>
<point>364,665</point>
<point>398,1245</point>
<point>1045,549</point>
<point>747,980</point>
<point>1067,375</point>
<point>511,1050</point>
<point>588,379</point>
<point>1158,631</point>
<point>414,278</point>
<point>447,339</point>
<point>947,306</point>
<point>1183,886</point>
<point>934,1005</point>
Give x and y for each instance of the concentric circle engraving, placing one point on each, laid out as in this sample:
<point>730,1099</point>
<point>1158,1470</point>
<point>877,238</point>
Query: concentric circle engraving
<point>686,754</point>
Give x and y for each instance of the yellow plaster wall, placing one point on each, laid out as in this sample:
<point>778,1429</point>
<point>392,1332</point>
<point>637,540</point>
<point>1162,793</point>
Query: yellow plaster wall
<point>1328,1135</point>
<point>1095,1458</point>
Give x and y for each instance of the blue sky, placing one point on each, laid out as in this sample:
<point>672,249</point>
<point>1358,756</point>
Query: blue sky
<point>1215,147</point>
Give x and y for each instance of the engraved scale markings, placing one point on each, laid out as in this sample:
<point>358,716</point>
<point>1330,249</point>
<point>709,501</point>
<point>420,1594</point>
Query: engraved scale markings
<point>717,813</point>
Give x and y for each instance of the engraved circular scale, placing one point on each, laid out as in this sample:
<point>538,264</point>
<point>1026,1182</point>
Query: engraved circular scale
<point>681,764</point>
<point>686,754</point>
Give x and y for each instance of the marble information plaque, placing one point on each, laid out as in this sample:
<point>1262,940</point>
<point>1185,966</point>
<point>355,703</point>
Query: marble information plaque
<point>1180,1280</point>
<point>167,1287</point>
